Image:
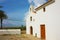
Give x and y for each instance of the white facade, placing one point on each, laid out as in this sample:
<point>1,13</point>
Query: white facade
<point>51,19</point>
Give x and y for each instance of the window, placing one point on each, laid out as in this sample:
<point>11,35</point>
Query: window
<point>44,9</point>
<point>31,18</point>
<point>30,9</point>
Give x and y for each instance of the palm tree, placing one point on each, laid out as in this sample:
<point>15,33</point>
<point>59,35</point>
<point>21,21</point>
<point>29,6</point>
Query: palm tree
<point>2,16</point>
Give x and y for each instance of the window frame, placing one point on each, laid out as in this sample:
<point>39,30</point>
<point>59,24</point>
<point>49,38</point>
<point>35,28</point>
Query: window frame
<point>30,18</point>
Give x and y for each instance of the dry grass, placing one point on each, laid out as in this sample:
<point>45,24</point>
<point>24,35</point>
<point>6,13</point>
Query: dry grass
<point>22,36</point>
<point>23,32</point>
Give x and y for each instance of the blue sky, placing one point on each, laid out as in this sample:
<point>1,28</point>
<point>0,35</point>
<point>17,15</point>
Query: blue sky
<point>16,10</point>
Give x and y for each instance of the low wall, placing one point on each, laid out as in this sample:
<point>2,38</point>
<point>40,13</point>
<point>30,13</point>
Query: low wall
<point>10,31</point>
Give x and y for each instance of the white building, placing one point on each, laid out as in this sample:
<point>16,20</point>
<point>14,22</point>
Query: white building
<point>44,19</point>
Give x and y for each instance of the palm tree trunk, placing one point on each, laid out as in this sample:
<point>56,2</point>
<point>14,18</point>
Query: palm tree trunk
<point>1,23</point>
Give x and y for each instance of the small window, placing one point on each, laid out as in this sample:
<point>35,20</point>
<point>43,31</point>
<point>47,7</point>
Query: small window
<point>44,9</point>
<point>31,18</point>
<point>30,9</point>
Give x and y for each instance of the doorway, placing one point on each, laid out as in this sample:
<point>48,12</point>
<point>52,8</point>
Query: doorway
<point>31,30</point>
<point>43,35</point>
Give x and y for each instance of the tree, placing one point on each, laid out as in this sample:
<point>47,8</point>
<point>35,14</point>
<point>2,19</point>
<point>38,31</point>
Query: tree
<point>2,16</point>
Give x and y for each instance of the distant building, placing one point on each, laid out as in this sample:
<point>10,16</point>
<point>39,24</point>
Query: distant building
<point>44,21</point>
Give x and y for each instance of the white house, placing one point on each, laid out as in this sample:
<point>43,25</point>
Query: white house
<point>44,21</point>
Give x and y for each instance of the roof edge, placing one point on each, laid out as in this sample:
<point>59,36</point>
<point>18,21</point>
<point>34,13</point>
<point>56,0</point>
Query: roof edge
<point>45,4</point>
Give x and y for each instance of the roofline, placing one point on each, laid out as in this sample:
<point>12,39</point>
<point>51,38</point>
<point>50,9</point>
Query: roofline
<point>45,4</point>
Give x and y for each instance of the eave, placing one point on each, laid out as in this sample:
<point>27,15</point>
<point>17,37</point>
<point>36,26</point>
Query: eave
<point>45,4</point>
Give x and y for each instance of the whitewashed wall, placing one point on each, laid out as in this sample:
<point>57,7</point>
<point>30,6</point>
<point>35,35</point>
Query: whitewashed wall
<point>29,23</point>
<point>10,31</point>
<point>51,18</point>
<point>53,25</point>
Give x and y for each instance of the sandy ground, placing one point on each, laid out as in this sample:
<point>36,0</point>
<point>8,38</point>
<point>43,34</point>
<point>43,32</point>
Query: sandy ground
<point>22,36</point>
<point>17,37</point>
<point>13,37</point>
